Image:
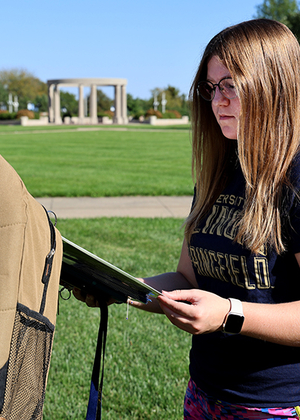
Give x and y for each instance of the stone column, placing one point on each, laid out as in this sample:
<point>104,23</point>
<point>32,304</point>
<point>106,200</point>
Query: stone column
<point>50,104</point>
<point>80,105</point>
<point>117,117</point>
<point>93,105</point>
<point>124,104</point>
<point>57,116</point>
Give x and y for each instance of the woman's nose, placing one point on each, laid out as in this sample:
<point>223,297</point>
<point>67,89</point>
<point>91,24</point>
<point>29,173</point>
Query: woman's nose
<point>220,99</point>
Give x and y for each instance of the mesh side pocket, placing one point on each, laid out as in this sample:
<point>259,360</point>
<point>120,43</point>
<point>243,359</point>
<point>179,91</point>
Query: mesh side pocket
<point>28,366</point>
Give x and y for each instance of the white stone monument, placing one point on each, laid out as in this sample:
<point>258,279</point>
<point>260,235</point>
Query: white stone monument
<point>163,102</point>
<point>15,104</point>
<point>155,102</point>
<point>119,85</point>
<point>10,103</point>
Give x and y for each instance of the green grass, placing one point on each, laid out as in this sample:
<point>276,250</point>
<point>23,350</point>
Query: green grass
<point>19,128</point>
<point>146,366</point>
<point>146,370</point>
<point>101,163</point>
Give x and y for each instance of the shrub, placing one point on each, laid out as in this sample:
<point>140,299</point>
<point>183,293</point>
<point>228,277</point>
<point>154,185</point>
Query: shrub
<point>138,114</point>
<point>5,115</point>
<point>152,112</point>
<point>25,113</point>
<point>171,114</point>
<point>109,114</point>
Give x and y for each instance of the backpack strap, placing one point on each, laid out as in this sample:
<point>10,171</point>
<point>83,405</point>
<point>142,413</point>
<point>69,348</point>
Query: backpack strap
<point>95,399</point>
<point>48,263</point>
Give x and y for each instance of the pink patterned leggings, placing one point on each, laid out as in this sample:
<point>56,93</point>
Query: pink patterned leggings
<point>197,406</point>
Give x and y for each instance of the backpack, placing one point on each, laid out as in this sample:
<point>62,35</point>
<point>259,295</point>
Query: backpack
<point>30,264</point>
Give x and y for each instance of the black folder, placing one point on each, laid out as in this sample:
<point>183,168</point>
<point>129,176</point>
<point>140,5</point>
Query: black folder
<point>93,275</point>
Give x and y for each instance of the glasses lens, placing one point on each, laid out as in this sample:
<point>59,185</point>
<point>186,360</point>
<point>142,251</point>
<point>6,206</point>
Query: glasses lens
<point>227,88</point>
<point>206,90</point>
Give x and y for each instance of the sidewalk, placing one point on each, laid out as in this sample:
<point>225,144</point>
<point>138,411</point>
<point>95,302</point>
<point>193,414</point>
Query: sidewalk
<point>87,207</point>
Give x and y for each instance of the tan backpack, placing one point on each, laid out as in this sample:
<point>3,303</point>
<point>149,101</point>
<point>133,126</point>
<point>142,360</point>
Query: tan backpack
<point>30,264</point>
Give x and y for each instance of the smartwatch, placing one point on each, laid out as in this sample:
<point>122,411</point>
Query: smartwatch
<point>234,320</point>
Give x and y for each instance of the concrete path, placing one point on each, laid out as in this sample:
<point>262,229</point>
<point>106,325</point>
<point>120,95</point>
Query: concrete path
<point>86,207</point>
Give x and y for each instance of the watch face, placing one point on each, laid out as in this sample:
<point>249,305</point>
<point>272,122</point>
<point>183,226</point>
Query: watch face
<point>234,324</point>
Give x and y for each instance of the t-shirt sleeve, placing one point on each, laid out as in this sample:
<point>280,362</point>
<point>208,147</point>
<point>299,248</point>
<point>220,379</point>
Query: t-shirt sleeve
<point>292,220</point>
<point>295,227</point>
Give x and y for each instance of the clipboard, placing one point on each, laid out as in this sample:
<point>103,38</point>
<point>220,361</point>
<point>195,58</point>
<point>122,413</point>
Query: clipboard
<point>94,275</point>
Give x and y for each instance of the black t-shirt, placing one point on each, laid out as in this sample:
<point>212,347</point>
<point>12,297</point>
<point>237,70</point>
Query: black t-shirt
<point>236,368</point>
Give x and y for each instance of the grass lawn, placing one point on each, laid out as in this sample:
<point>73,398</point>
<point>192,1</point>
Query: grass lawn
<point>100,163</point>
<point>146,365</point>
<point>146,370</point>
<point>9,128</point>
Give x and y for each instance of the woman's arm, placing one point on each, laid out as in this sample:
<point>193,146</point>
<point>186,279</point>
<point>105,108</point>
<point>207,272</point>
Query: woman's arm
<point>277,323</point>
<point>183,278</point>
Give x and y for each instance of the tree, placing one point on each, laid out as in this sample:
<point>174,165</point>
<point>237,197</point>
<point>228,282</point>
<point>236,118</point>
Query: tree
<point>23,84</point>
<point>69,102</point>
<point>279,10</point>
<point>41,102</point>
<point>285,11</point>
<point>104,103</point>
<point>175,100</point>
<point>138,107</point>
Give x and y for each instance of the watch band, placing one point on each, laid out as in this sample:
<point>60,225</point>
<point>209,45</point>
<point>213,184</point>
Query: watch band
<point>236,307</point>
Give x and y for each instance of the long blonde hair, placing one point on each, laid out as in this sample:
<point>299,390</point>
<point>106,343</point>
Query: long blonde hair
<point>263,58</point>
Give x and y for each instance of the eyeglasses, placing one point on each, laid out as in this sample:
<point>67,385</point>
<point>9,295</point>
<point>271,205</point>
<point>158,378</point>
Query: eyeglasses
<point>207,90</point>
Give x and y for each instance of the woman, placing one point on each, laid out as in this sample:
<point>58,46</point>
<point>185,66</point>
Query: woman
<point>237,285</point>
<point>241,238</point>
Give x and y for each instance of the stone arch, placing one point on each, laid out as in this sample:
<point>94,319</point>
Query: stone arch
<point>119,91</point>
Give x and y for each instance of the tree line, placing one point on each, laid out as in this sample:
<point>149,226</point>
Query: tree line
<point>29,89</point>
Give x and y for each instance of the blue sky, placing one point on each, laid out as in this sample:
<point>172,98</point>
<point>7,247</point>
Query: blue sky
<point>150,43</point>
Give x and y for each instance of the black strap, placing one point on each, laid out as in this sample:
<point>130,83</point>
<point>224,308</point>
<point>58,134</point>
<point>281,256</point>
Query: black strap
<point>95,400</point>
<point>48,263</point>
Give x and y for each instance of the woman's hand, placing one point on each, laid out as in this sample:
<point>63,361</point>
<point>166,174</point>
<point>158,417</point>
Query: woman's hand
<point>90,300</point>
<point>194,310</point>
